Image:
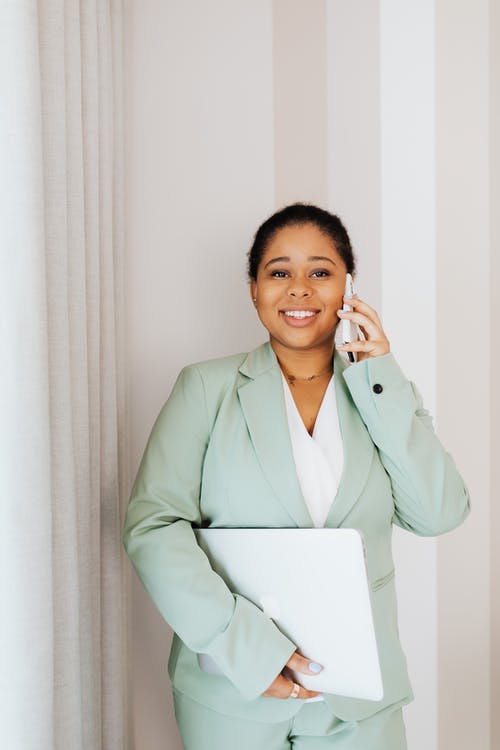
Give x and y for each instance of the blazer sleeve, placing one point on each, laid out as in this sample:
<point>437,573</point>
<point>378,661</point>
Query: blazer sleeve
<point>161,544</point>
<point>430,496</point>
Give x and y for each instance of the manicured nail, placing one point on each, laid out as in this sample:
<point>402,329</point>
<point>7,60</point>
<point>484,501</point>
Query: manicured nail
<point>315,667</point>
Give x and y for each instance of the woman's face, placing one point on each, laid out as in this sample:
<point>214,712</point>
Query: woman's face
<point>299,288</point>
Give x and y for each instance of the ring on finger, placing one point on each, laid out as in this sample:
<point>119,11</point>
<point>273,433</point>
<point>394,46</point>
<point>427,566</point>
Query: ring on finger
<point>295,690</point>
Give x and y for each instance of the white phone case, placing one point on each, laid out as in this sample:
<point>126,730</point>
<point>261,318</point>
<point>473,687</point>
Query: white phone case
<point>350,331</point>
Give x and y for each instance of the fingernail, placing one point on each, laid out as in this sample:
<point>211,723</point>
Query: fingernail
<point>315,667</point>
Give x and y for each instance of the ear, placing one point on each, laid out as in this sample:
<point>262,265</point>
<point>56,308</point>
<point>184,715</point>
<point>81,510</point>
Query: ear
<point>253,289</point>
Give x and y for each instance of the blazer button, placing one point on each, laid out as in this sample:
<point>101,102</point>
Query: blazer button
<point>377,388</point>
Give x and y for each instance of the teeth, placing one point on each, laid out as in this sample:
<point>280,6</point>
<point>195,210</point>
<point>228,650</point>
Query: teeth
<point>299,313</point>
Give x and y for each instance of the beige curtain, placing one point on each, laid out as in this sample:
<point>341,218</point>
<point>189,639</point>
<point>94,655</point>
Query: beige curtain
<point>62,628</point>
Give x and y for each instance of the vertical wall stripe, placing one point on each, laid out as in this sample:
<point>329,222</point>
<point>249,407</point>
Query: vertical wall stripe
<point>464,361</point>
<point>381,172</point>
<point>408,222</point>
<point>495,367</point>
<point>354,133</point>
<point>300,101</point>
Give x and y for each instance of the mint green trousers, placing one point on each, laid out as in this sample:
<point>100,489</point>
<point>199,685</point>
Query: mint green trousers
<point>313,727</point>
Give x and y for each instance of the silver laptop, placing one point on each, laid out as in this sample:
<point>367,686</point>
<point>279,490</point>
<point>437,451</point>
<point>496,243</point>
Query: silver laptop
<point>313,584</point>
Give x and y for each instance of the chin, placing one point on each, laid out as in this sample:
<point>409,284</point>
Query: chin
<point>302,342</point>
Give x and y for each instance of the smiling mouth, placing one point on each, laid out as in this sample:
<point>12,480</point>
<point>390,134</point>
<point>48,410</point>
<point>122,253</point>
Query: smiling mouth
<point>299,314</point>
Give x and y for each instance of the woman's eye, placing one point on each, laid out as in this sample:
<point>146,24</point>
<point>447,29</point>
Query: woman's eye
<point>320,273</point>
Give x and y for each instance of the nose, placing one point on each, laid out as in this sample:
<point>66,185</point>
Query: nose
<point>299,288</point>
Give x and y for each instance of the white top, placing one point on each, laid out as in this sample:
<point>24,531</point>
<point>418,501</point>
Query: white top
<point>318,458</point>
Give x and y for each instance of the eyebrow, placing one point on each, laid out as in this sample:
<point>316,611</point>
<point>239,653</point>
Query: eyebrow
<point>286,259</point>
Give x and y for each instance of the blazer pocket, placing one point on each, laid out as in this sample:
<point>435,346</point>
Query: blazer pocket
<point>380,582</point>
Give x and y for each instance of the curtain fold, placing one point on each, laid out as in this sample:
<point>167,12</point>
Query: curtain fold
<point>63,626</point>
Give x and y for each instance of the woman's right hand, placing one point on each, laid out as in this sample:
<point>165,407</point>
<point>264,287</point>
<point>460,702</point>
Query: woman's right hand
<point>281,687</point>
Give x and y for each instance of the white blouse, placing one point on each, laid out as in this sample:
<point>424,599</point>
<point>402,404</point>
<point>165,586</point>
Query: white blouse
<point>318,458</point>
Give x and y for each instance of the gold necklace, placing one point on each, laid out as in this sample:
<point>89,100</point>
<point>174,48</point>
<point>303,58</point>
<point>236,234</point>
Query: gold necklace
<point>293,378</point>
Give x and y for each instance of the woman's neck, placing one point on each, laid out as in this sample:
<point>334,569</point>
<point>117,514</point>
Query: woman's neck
<point>303,363</point>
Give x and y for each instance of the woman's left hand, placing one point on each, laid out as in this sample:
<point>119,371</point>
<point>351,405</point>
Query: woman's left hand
<point>376,342</point>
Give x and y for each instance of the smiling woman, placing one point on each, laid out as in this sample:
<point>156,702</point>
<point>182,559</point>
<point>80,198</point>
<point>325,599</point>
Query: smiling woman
<point>229,449</point>
<point>297,290</point>
<point>297,268</point>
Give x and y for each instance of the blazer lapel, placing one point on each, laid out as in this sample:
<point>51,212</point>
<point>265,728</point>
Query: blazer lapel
<point>357,444</point>
<point>263,405</point>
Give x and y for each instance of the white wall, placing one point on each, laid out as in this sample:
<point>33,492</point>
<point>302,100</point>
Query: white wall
<point>408,240</point>
<point>494,406</point>
<point>233,110</point>
<point>464,141</point>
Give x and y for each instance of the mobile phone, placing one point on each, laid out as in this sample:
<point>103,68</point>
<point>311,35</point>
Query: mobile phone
<point>350,331</point>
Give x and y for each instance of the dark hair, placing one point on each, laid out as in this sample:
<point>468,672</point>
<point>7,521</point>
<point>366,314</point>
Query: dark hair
<point>297,214</point>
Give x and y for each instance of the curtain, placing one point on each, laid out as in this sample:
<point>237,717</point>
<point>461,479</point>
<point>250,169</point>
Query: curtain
<point>63,629</point>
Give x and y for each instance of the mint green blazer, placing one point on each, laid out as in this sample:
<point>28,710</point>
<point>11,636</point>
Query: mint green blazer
<point>219,454</point>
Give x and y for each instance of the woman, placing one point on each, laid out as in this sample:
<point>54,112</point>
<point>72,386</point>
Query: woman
<point>287,435</point>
